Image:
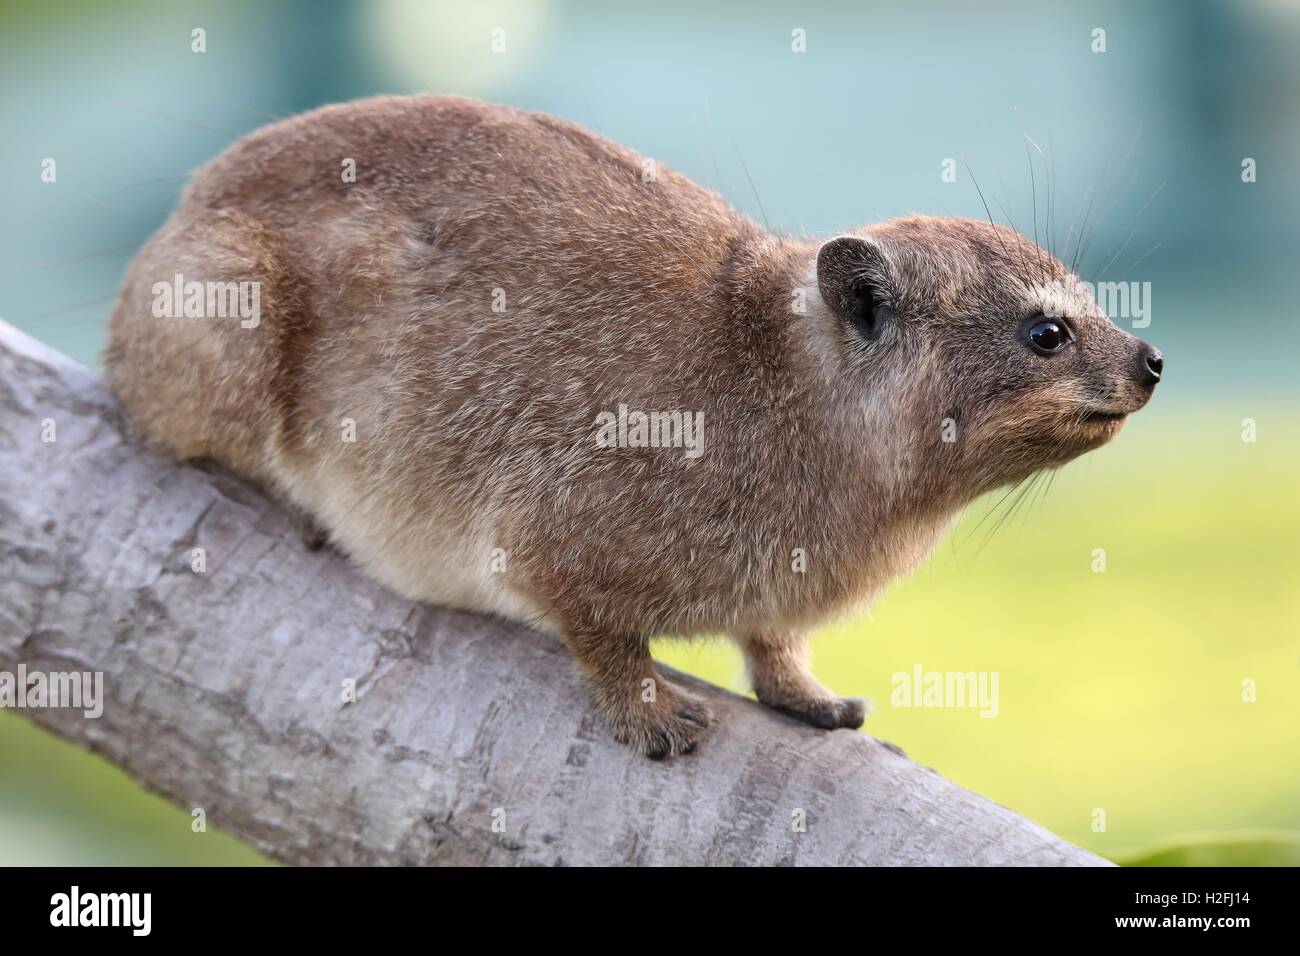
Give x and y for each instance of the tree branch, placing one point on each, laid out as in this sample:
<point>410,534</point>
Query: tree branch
<point>223,690</point>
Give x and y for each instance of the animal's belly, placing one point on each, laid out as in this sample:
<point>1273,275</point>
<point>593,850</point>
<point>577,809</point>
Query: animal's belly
<point>438,557</point>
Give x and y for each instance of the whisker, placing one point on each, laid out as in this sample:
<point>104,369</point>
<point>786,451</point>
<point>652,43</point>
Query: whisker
<point>125,247</point>
<point>1033,186</point>
<point>1140,259</point>
<point>994,227</point>
<point>1023,486</point>
<point>73,308</point>
<point>1038,253</point>
<point>1086,238</point>
<point>1051,197</point>
<point>761,210</point>
<point>1046,488</point>
<point>1026,505</point>
<point>988,514</point>
<point>247,109</point>
<point>1132,228</point>
<point>1090,197</point>
<point>150,182</point>
<point>117,208</point>
<point>1019,245</point>
<point>1047,219</point>
<point>184,122</point>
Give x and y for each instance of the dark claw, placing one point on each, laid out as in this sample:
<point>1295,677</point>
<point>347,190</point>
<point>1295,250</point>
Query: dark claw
<point>849,712</point>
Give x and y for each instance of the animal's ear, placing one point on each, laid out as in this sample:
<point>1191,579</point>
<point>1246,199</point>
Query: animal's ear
<point>853,278</point>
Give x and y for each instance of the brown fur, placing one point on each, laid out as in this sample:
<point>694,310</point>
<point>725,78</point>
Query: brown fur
<point>475,427</point>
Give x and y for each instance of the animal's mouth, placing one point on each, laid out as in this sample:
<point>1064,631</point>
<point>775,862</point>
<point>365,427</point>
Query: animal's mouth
<point>1100,416</point>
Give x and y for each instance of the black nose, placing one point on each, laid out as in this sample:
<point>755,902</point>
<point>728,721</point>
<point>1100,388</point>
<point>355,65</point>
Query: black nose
<point>1153,363</point>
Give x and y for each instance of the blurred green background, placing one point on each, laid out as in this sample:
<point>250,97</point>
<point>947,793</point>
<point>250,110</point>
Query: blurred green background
<point>1120,692</point>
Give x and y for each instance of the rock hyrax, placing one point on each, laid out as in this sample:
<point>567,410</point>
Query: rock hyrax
<point>510,366</point>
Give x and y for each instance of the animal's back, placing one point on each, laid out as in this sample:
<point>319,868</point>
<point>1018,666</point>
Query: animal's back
<point>448,292</point>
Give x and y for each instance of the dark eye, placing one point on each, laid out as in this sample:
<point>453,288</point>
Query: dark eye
<point>1049,335</point>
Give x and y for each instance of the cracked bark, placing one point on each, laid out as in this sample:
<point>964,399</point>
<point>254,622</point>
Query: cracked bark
<point>223,690</point>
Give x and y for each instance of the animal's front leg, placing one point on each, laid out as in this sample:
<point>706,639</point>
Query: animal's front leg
<point>778,668</point>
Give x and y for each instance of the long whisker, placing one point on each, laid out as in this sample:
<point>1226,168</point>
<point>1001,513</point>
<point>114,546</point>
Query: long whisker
<point>117,208</point>
<point>1132,228</point>
<point>1091,198</point>
<point>1033,187</point>
<point>713,153</point>
<point>1020,253</point>
<point>1070,232</point>
<point>1140,259</point>
<point>1085,238</point>
<point>1047,222</point>
<point>51,263</point>
<point>761,210</point>
<point>184,122</point>
<point>74,307</point>
<point>1046,488</point>
<point>248,109</point>
<point>1051,196</point>
<point>992,225</point>
<point>1026,504</point>
<point>988,514</point>
<point>1024,486</point>
<point>150,182</point>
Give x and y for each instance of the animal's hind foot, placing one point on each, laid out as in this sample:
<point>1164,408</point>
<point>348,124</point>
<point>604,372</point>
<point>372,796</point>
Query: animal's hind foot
<point>668,725</point>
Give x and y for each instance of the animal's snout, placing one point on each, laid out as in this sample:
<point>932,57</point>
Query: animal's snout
<point>1151,363</point>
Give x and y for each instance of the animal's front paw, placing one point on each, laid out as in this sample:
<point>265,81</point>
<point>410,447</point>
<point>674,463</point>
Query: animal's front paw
<point>778,667</point>
<point>662,722</point>
<point>829,713</point>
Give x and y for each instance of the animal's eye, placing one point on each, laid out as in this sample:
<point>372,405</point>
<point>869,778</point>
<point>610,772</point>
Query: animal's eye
<point>1049,335</point>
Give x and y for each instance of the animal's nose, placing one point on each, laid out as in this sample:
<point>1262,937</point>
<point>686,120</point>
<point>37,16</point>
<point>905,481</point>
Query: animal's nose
<point>1152,364</point>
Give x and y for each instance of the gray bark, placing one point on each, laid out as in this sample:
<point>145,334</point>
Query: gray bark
<point>223,690</point>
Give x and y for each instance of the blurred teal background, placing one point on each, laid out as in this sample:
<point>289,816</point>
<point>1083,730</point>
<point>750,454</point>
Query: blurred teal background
<point>1120,691</point>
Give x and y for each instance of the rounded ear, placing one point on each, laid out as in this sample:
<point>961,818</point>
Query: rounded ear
<point>851,273</point>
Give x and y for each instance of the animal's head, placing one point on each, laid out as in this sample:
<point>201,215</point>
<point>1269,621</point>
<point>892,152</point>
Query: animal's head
<point>984,355</point>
